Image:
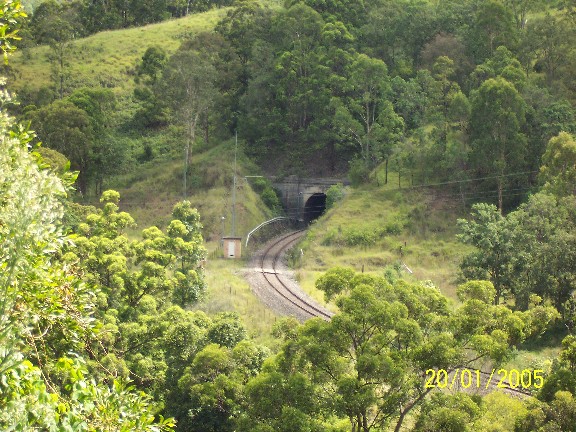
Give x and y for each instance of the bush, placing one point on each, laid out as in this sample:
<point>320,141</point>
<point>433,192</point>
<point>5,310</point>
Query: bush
<point>356,237</point>
<point>333,237</point>
<point>267,193</point>
<point>394,227</point>
<point>270,198</point>
<point>334,194</point>
<point>358,172</point>
<point>259,184</point>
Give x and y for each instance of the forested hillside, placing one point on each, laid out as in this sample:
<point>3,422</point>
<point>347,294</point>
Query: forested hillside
<point>467,106</point>
<point>443,91</point>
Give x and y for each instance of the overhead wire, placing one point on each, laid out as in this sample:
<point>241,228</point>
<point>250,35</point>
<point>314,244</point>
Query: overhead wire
<point>479,194</point>
<point>473,179</point>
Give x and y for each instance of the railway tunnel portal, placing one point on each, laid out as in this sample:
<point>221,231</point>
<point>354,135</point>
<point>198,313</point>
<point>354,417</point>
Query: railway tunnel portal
<point>304,198</point>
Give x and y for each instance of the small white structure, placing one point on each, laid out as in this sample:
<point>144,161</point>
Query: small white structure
<point>232,247</point>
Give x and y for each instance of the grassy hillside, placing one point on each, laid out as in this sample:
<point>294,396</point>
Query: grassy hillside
<point>150,192</point>
<point>378,229</point>
<point>108,59</point>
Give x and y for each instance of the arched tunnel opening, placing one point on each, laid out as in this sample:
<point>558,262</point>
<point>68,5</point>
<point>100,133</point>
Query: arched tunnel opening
<point>314,207</point>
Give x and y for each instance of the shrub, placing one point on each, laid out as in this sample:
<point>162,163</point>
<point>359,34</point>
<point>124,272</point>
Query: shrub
<point>334,194</point>
<point>394,227</point>
<point>270,198</point>
<point>357,237</point>
<point>358,172</point>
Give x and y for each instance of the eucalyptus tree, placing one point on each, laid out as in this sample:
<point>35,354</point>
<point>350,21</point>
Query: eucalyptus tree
<point>188,84</point>
<point>521,8</point>
<point>549,45</point>
<point>492,234</point>
<point>370,362</point>
<point>558,171</point>
<point>65,127</point>
<point>366,117</point>
<point>498,145</point>
<point>79,127</point>
<point>492,26</point>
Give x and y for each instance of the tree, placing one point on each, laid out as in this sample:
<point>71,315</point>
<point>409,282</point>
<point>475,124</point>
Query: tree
<point>549,41</point>
<point>152,111</point>
<point>503,64</point>
<point>558,171</point>
<point>447,45</point>
<point>497,141</point>
<point>544,251</point>
<point>106,156</point>
<point>79,127</point>
<point>410,100</point>
<point>368,364</point>
<point>492,235</point>
<point>222,118</point>
<point>493,26</point>
<point>382,32</point>
<point>152,64</point>
<point>555,408</point>
<point>349,12</point>
<point>521,8</point>
<point>56,25</point>
<point>243,26</point>
<point>397,31</point>
<point>11,18</point>
<point>448,413</point>
<point>527,253</point>
<point>367,117</point>
<point>66,128</point>
<point>298,105</point>
<point>165,265</point>
<point>188,84</point>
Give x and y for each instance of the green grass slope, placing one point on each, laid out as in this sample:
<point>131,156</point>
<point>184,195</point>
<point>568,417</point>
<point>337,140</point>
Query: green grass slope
<point>150,192</point>
<point>403,232</point>
<point>108,59</point>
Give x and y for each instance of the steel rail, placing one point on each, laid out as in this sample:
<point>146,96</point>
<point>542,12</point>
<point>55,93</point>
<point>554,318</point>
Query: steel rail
<point>273,254</point>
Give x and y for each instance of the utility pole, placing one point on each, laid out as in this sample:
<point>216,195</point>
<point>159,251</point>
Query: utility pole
<point>234,189</point>
<point>186,168</point>
<point>222,218</point>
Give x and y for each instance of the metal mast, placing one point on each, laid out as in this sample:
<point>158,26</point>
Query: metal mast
<point>234,189</point>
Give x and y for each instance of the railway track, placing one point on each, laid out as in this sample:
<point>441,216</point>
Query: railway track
<point>276,282</point>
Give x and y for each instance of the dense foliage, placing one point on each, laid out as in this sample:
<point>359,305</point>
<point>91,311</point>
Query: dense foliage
<point>46,310</point>
<point>530,250</point>
<point>436,89</point>
<point>368,364</point>
<point>477,95</point>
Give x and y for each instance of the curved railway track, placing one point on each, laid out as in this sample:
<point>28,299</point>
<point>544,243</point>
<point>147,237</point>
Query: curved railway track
<point>275,280</point>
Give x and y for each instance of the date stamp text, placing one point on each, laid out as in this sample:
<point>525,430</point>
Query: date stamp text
<point>474,378</point>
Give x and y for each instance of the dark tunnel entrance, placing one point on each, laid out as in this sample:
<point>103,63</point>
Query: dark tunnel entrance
<point>314,207</point>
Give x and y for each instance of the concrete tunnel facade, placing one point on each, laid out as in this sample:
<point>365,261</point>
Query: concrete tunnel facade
<point>304,198</point>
